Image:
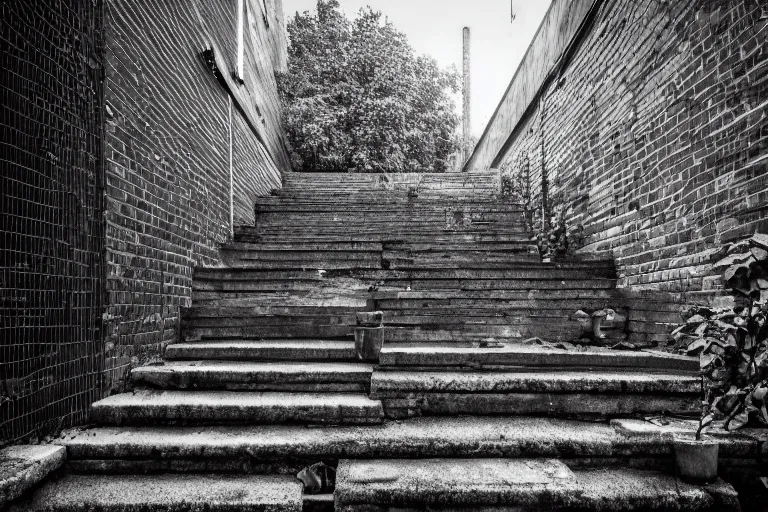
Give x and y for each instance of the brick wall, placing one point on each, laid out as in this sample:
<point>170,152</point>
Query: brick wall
<point>653,141</point>
<point>168,129</point>
<point>51,222</point>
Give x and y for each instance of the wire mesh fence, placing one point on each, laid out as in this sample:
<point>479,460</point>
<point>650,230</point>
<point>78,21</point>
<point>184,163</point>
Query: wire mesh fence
<point>51,222</point>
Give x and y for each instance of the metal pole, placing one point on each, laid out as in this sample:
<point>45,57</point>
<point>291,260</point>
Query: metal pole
<point>231,177</point>
<point>467,126</point>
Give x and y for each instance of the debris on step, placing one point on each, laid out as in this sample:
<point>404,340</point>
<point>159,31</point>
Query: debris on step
<point>319,478</point>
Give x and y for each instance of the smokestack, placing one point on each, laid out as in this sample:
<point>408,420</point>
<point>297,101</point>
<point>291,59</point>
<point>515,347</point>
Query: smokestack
<point>467,126</point>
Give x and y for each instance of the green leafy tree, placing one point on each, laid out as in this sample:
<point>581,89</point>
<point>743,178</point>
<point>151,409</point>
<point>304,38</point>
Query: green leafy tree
<point>356,98</point>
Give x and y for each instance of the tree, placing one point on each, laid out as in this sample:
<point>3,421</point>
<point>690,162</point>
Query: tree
<point>356,98</point>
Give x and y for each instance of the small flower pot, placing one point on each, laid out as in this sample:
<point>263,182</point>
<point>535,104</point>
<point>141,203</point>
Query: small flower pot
<point>696,460</point>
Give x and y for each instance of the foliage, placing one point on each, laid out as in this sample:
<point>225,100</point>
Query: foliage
<point>554,240</point>
<point>356,98</point>
<point>732,343</point>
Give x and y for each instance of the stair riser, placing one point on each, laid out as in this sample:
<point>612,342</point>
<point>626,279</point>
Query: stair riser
<point>267,332</point>
<point>478,330</point>
<point>190,353</point>
<point>465,357</point>
<point>304,264</point>
<point>533,404</point>
<point>320,387</point>
<point>523,272</point>
<point>379,218</point>
<point>291,466</point>
<point>244,464</point>
<point>209,289</point>
<point>223,414</point>
<point>178,379</point>
<point>408,264</point>
<point>266,321</point>
<point>341,237</point>
<point>279,313</point>
<point>256,255</point>
<point>501,303</point>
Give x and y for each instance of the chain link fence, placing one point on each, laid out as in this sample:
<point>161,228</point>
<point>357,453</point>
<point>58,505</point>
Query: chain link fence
<point>51,222</point>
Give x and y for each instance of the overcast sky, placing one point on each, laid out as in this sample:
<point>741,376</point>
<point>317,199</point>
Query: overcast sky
<point>434,27</point>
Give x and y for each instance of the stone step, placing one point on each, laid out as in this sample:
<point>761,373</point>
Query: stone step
<point>299,255</point>
<point>264,350</point>
<point>397,216</point>
<point>511,260</point>
<point>458,246</point>
<point>549,393</point>
<point>449,318</point>
<point>287,301</point>
<point>253,235</point>
<point>529,356</point>
<point>309,246</point>
<point>236,261</point>
<point>340,231</point>
<point>524,272</point>
<point>142,493</point>
<point>385,383</point>
<point>278,329</point>
<point>517,484</point>
<point>23,467</point>
<point>265,376</point>
<point>499,303</point>
<point>478,329</point>
<point>512,284</point>
<point>225,286</point>
<point>246,310</point>
<point>459,298</point>
<point>247,407</point>
<point>244,448</point>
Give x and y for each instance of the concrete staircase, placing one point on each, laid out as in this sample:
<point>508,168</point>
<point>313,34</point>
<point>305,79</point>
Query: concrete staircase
<point>266,381</point>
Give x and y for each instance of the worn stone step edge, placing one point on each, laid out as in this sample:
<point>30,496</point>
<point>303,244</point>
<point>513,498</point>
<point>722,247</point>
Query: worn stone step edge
<point>390,383</point>
<point>206,407</point>
<point>413,438</point>
<point>276,349</point>
<point>517,355</point>
<point>206,374</point>
<point>213,493</point>
<point>533,484</point>
<point>23,467</point>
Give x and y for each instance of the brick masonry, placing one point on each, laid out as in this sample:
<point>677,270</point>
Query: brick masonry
<point>51,222</point>
<point>653,141</point>
<point>169,122</point>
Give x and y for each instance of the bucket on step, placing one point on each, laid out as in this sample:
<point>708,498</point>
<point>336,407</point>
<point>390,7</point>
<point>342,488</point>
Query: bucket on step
<point>368,342</point>
<point>696,460</point>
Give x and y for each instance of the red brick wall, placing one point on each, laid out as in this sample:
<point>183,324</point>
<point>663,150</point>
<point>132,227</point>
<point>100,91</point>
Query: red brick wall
<point>654,139</point>
<point>168,155</point>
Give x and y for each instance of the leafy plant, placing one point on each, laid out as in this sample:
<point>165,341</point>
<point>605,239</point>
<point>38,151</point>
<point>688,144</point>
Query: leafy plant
<point>732,343</point>
<point>553,241</point>
<point>356,98</point>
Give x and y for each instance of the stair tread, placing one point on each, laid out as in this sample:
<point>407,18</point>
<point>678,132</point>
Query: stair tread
<point>478,436</point>
<point>246,371</point>
<point>564,381</point>
<point>522,355</point>
<point>235,406</point>
<point>534,484</point>
<point>293,349</point>
<point>113,493</point>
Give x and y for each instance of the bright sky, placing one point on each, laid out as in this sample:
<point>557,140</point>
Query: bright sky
<point>434,27</point>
